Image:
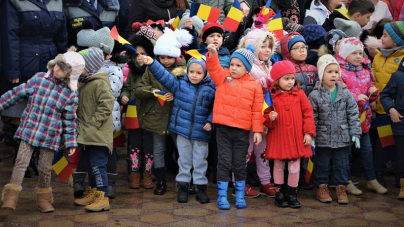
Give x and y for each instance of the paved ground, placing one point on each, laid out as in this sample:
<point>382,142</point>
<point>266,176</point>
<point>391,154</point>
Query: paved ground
<point>142,208</point>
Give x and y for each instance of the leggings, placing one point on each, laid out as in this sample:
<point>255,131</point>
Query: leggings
<point>293,168</point>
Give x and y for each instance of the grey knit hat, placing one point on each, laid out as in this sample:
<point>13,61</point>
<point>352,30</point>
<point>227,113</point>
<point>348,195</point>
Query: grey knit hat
<point>350,28</point>
<point>94,59</point>
<point>102,40</point>
<point>196,22</point>
<point>85,34</point>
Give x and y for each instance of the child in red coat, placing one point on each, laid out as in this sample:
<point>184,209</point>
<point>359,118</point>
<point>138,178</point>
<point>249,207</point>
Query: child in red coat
<point>291,129</point>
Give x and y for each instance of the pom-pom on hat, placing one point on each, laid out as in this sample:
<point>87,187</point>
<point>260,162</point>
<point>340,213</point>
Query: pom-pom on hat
<point>348,46</point>
<point>170,42</point>
<point>201,62</point>
<point>294,39</point>
<point>245,55</point>
<point>349,27</point>
<point>323,62</point>
<point>211,28</point>
<point>94,58</point>
<point>281,68</point>
<point>314,35</point>
<point>85,34</point>
<point>396,31</point>
<point>331,39</point>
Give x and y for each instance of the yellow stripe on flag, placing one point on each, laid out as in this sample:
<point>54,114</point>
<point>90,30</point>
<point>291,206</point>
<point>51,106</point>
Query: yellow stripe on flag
<point>60,165</point>
<point>131,112</point>
<point>310,166</point>
<point>275,24</point>
<point>204,12</point>
<point>118,133</point>
<point>235,14</point>
<point>264,107</point>
<point>384,131</point>
<point>160,96</point>
<point>195,54</point>
<point>363,116</point>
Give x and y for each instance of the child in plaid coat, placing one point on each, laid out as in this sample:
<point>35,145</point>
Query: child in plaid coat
<point>49,117</point>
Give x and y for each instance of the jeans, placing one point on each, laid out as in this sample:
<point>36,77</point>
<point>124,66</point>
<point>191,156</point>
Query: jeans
<point>400,156</point>
<point>367,157</point>
<point>335,158</point>
<point>96,158</point>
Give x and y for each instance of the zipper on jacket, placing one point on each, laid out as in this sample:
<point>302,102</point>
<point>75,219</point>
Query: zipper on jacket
<point>203,97</point>
<point>169,15</point>
<point>193,112</point>
<point>176,116</point>
<point>304,77</point>
<point>384,62</point>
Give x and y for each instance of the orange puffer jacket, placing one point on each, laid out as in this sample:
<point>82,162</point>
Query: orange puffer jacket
<point>238,102</point>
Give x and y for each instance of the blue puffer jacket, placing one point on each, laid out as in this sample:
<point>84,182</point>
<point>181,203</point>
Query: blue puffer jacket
<point>223,52</point>
<point>193,103</point>
<point>392,96</point>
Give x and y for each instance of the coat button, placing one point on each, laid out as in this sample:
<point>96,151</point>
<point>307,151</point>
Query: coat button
<point>287,108</point>
<point>287,123</point>
<point>36,54</point>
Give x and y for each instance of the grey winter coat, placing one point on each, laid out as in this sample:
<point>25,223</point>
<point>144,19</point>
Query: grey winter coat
<point>335,123</point>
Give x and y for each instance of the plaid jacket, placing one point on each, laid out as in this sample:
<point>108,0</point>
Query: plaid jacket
<point>51,112</point>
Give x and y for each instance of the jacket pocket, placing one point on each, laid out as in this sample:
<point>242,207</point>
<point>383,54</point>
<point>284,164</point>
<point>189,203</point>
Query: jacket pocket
<point>345,133</point>
<point>176,116</point>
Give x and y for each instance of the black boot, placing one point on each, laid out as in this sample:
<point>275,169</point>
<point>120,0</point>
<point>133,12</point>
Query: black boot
<point>201,195</point>
<point>380,177</point>
<point>183,192</point>
<point>161,186</point>
<point>111,185</point>
<point>291,196</point>
<point>280,199</point>
<point>78,184</point>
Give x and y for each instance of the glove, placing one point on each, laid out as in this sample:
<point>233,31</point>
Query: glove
<point>313,144</point>
<point>357,142</point>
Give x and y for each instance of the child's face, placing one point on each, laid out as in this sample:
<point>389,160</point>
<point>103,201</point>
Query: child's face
<point>215,38</point>
<point>336,49</point>
<point>299,51</point>
<point>167,61</point>
<point>330,76</point>
<point>287,82</point>
<point>387,41</point>
<point>355,58</point>
<point>362,19</point>
<point>195,73</point>
<point>58,72</point>
<point>265,52</point>
<point>141,52</point>
<point>237,68</point>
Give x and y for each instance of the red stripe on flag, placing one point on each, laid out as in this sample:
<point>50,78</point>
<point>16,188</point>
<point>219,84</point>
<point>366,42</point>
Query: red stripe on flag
<point>119,141</point>
<point>214,15</point>
<point>131,123</point>
<point>65,173</point>
<point>387,141</point>
<point>231,24</point>
<point>161,101</point>
<point>307,177</point>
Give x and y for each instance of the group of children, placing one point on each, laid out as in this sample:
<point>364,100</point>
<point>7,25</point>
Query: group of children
<point>314,110</point>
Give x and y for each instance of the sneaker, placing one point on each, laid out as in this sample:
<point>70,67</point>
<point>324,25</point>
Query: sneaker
<point>341,194</point>
<point>249,192</point>
<point>323,194</point>
<point>269,190</point>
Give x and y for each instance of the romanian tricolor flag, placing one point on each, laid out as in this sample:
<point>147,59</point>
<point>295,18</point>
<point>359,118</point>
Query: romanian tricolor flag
<point>177,21</point>
<point>114,34</point>
<point>131,121</point>
<point>267,12</point>
<point>267,102</point>
<point>310,166</point>
<point>119,138</point>
<point>384,130</point>
<point>234,17</point>
<point>61,167</point>
<point>195,54</point>
<point>160,96</point>
<point>363,117</point>
<point>275,25</point>
<point>205,12</point>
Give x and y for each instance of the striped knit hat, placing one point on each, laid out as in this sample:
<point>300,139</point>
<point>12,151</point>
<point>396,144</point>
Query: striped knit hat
<point>200,62</point>
<point>245,55</point>
<point>396,31</point>
<point>94,58</point>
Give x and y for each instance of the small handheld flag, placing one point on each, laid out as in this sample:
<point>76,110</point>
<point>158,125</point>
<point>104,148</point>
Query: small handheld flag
<point>234,17</point>
<point>195,54</point>
<point>160,96</point>
<point>266,11</point>
<point>363,116</point>
<point>177,21</point>
<point>275,25</point>
<point>119,138</point>
<point>267,102</point>
<point>131,120</point>
<point>384,130</point>
<point>205,12</point>
<point>61,167</point>
<point>310,167</point>
<point>114,34</point>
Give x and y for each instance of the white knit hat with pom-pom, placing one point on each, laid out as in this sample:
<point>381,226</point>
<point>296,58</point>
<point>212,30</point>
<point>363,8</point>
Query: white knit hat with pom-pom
<point>170,42</point>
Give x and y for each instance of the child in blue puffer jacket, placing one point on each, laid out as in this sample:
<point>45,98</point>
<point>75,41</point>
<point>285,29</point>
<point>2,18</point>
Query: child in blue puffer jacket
<point>191,120</point>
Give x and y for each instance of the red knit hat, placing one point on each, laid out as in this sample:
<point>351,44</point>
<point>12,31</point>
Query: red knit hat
<point>282,68</point>
<point>211,28</point>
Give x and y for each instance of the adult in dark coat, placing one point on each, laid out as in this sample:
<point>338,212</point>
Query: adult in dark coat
<point>101,13</point>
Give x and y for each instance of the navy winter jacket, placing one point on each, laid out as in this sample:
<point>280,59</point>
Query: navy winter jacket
<point>392,96</point>
<point>193,103</point>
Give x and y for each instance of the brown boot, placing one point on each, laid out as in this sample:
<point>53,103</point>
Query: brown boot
<point>323,194</point>
<point>101,202</point>
<point>134,180</point>
<point>10,196</point>
<point>44,199</point>
<point>341,194</point>
<point>401,194</point>
<point>147,181</point>
<point>88,197</point>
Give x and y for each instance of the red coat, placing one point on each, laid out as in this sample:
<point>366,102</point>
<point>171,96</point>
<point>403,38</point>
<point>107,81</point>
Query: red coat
<point>286,132</point>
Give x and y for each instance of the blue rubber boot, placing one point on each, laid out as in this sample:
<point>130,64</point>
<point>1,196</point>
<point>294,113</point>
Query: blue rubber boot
<point>240,201</point>
<point>222,202</point>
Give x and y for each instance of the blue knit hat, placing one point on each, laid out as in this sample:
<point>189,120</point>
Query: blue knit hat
<point>313,34</point>
<point>294,39</point>
<point>396,31</point>
<point>200,62</point>
<point>245,55</point>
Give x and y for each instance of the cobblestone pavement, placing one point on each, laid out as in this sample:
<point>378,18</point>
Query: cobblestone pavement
<point>141,208</point>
